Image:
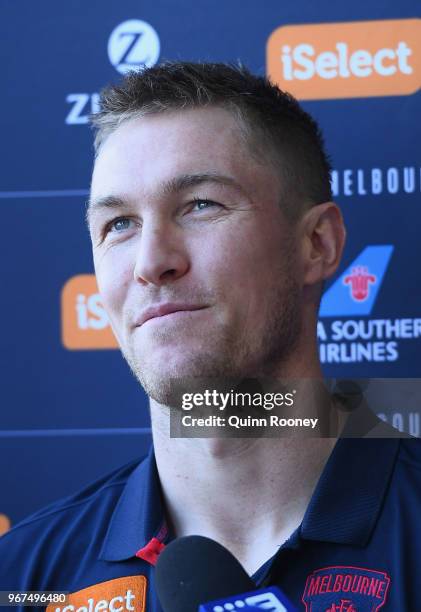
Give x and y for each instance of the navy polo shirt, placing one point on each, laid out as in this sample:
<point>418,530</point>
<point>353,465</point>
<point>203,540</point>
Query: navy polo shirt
<point>358,547</point>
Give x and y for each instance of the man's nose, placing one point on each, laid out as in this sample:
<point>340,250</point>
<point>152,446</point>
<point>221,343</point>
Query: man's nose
<point>161,256</point>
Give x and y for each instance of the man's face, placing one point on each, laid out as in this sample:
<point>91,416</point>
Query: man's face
<point>188,233</point>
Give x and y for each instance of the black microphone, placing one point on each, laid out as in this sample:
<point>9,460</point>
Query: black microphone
<point>193,570</point>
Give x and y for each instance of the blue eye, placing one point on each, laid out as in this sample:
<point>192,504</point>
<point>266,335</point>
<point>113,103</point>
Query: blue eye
<point>204,204</point>
<point>121,224</point>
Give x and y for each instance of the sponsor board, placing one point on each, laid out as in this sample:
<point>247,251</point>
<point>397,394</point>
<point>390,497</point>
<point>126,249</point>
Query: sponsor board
<point>346,59</point>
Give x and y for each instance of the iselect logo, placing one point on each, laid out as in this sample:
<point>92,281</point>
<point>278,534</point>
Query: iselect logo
<point>84,322</point>
<point>355,291</point>
<point>4,523</point>
<point>347,60</point>
<point>127,594</point>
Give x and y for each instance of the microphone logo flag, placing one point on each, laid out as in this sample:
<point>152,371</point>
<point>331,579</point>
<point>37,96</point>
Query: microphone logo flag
<point>270,600</point>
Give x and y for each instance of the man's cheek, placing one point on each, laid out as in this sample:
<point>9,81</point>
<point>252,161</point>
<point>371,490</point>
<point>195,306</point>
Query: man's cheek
<point>112,297</point>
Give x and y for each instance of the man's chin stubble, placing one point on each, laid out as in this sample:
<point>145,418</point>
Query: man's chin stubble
<point>207,373</point>
<point>203,373</point>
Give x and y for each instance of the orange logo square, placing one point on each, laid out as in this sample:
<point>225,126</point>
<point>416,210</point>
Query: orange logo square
<point>346,60</point>
<point>118,595</point>
<point>84,322</point>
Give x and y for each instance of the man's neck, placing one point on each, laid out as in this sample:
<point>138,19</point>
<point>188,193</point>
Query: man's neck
<point>247,494</point>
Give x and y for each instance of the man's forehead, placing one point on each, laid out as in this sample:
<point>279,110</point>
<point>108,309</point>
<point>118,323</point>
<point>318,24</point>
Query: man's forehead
<point>191,141</point>
<point>214,122</point>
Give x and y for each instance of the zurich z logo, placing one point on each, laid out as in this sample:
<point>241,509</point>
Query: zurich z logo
<point>133,44</point>
<point>355,291</point>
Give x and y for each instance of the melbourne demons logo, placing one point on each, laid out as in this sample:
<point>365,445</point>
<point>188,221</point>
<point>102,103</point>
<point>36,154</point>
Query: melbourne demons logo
<point>345,589</point>
<point>359,282</point>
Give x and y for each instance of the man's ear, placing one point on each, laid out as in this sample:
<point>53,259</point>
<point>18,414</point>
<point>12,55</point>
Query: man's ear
<point>323,235</point>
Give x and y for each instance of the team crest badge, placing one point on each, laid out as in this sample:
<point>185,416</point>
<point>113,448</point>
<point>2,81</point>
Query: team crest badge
<point>345,589</point>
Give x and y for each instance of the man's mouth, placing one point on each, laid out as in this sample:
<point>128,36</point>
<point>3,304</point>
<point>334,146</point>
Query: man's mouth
<point>162,310</point>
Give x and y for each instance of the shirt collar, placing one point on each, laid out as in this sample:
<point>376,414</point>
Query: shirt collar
<point>348,498</point>
<point>344,507</point>
<point>138,516</point>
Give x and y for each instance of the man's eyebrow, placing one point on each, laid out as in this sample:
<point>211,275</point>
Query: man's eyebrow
<point>106,202</point>
<point>184,181</point>
<point>169,187</point>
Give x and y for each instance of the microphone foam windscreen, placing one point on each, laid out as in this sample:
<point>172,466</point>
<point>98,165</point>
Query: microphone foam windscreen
<point>194,570</point>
